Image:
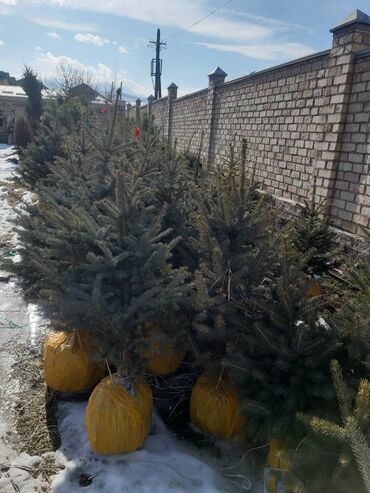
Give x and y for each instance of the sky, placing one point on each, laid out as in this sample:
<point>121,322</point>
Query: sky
<point>109,38</point>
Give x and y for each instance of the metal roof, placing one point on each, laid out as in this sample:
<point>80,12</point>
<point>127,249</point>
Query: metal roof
<point>18,92</point>
<point>12,91</point>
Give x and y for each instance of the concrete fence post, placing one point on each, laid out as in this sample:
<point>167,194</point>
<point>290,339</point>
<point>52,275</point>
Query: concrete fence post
<point>150,106</point>
<point>137,110</point>
<point>351,36</point>
<point>172,96</point>
<point>215,79</point>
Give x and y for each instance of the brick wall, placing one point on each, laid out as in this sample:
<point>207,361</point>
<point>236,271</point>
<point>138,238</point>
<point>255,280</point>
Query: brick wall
<point>274,111</point>
<point>351,201</point>
<point>189,118</point>
<point>303,120</point>
<point>158,112</point>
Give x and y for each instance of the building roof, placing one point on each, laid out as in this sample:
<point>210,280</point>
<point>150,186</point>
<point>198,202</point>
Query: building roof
<point>18,92</point>
<point>12,91</point>
<point>85,90</point>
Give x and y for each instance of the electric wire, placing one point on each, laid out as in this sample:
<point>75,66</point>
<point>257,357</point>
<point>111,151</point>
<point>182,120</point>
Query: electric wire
<point>276,12</point>
<point>198,21</point>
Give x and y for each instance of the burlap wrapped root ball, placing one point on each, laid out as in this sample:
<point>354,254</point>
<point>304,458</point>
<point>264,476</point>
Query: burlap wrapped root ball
<point>68,364</point>
<point>314,290</point>
<point>215,407</point>
<point>277,463</point>
<point>160,355</point>
<point>118,420</point>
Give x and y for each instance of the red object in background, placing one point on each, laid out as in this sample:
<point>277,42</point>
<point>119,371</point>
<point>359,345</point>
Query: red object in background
<point>136,132</point>
<point>104,109</point>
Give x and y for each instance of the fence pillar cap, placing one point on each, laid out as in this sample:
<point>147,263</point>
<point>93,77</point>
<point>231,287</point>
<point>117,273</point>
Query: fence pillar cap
<point>172,90</point>
<point>151,98</point>
<point>217,76</point>
<point>355,18</point>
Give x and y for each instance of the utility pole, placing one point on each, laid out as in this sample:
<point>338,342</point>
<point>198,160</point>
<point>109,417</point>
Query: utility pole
<point>156,66</point>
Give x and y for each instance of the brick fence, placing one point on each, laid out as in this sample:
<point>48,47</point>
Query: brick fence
<point>303,119</point>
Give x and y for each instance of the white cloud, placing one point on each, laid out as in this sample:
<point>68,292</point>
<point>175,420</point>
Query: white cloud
<point>123,50</point>
<point>130,86</point>
<point>115,43</point>
<point>91,39</point>
<point>9,2</point>
<point>47,65</point>
<point>66,26</point>
<point>219,27</point>
<point>2,43</point>
<point>176,13</point>
<point>38,48</point>
<point>275,23</point>
<point>54,35</point>
<point>272,51</point>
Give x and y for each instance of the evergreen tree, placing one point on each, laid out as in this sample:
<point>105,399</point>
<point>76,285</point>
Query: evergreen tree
<point>281,360</point>
<point>36,158</point>
<point>193,159</point>
<point>235,248</point>
<point>335,457</point>
<point>98,253</point>
<point>172,183</point>
<point>32,87</point>
<point>107,270</point>
<point>84,174</point>
<point>23,133</point>
<point>313,238</point>
<point>353,317</point>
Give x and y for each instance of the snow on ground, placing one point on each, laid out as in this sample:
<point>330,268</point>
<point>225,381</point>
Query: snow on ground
<point>164,465</point>
<point>6,170</point>
<point>14,323</point>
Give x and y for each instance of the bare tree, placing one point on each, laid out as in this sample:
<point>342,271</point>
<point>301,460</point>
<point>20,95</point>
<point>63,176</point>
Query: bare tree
<point>69,76</point>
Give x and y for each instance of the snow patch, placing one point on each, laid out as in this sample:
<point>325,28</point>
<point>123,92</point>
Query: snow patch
<point>163,466</point>
<point>36,322</point>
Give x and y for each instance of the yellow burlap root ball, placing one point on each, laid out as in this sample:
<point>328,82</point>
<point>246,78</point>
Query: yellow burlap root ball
<point>278,461</point>
<point>116,421</point>
<point>215,408</point>
<point>164,361</point>
<point>162,358</point>
<point>67,363</point>
<point>314,290</point>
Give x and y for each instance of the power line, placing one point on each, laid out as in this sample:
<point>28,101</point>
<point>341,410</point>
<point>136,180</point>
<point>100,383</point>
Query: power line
<point>199,20</point>
<point>194,55</point>
<point>263,19</point>
<point>278,11</point>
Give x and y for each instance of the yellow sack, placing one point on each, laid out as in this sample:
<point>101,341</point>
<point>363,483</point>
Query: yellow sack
<point>276,459</point>
<point>214,407</point>
<point>314,290</point>
<point>67,363</point>
<point>117,422</point>
<point>161,357</point>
